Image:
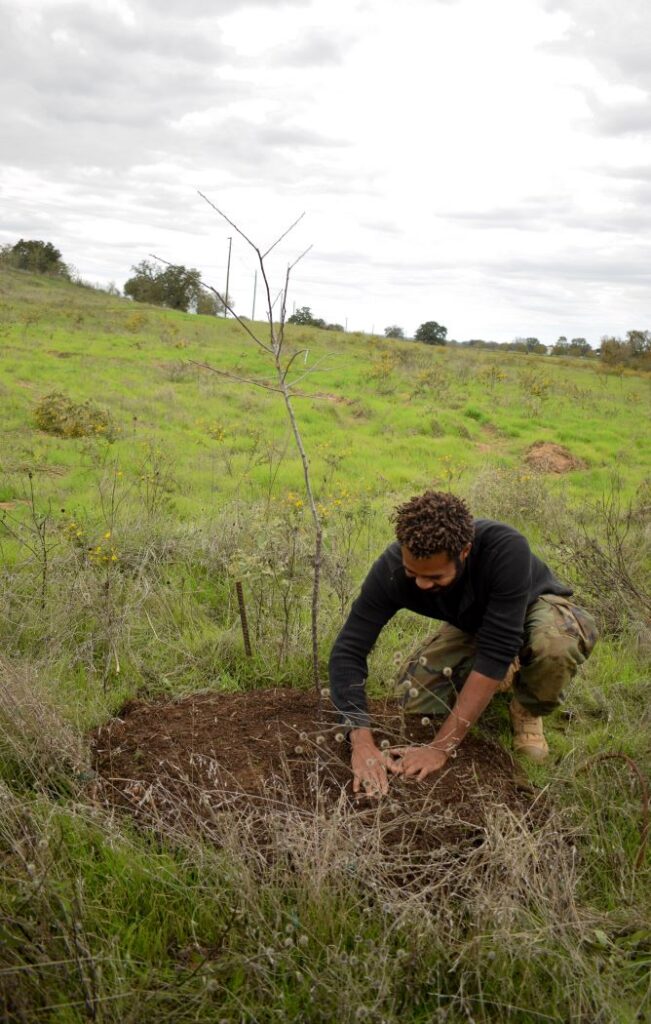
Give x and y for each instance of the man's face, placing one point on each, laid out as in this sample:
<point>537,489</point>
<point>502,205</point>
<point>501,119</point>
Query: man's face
<point>434,572</point>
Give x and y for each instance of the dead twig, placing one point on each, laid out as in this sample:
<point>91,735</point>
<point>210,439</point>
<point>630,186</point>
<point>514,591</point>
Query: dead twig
<point>243,619</point>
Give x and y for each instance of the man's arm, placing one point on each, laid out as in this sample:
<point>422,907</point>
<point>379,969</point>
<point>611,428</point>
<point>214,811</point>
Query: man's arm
<point>376,604</point>
<point>348,668</point>
<point>474,697</point>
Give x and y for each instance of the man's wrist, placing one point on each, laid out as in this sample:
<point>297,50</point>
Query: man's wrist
<point>446,748</point>
<point>361,737</point>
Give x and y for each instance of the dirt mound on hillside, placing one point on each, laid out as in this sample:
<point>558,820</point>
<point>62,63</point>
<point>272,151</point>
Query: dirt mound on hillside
<point>280,751</point>
<point>547,457</point>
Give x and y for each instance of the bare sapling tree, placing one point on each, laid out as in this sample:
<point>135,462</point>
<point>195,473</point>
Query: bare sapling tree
<point>274,348</point>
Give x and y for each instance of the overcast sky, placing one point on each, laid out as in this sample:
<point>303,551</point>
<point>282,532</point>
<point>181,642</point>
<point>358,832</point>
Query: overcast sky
<point>485,165</point>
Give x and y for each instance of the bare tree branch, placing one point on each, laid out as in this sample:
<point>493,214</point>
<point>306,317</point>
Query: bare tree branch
<point>307,373</point>
<point>229,221</point>
<point>284,235</point>
<point>256,383</point>
<point>233,376</point>
<point>285,293</point>
<point>295,356</point>
<point>299,258</point>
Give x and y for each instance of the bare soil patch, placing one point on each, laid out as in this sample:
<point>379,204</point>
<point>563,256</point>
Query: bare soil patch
<point>184,762</point>
<point>547,457</point>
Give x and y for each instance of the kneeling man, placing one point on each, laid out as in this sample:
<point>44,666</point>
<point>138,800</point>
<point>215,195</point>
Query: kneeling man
<point>506,620</point>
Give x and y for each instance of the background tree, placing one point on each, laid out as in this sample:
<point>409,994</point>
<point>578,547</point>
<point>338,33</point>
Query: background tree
<point>303,315</point>
<point>174,286</point>
<point>209,305</point>
<point>579,347</point>
<point>36,257</point>
<point>432,333</point>
<point>639,342</point>
<point>144,286</point>
<point>535,345</point>
<point>634,351</point>
<point>613,351</point>
<point>394,332</point>
<point>561,347</point>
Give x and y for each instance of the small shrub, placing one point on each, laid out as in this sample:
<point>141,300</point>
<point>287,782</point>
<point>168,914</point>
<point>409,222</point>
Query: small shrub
<point>431,381</point>
<point>135,322</point>
<point>513,496</point>
<point>606,546</point>
<point>534,384</point>
<point>473,413</point>
<point>56,413</point>
<point>178,372</point>
<point>491,376</point>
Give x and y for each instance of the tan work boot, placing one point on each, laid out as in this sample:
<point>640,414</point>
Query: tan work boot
<point>528,736</point>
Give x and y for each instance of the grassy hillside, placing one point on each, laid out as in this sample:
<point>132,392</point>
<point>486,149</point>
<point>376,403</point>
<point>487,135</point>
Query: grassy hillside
<point>425,404</point>
<point>119,553</point>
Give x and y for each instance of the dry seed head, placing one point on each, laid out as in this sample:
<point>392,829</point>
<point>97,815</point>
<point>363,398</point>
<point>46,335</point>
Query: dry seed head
<point>325,692</point>
<point>320,740</point>
<point>447,672</point>
<point>385,744</point>
<point>339,737</point>
<point>413,692</point>
<point>422,660</point>
<point>302,736</point>
<point>298,749</point>
<point>425,721</point>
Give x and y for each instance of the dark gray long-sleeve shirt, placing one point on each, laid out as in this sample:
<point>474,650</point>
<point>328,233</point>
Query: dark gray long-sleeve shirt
<point>500,578</point>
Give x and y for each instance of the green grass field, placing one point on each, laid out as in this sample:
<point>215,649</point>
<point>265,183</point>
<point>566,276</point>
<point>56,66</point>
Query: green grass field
<point>119,550</point>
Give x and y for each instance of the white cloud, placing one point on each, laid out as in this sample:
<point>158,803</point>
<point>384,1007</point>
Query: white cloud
<point>483,165</point>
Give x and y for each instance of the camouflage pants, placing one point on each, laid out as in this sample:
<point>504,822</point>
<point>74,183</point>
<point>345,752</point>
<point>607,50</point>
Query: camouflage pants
<point>558,637</point>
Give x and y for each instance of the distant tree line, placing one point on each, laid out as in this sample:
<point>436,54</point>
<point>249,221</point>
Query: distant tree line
<point>303,316</point>
<point>179,287</point>
<point>430,333</point>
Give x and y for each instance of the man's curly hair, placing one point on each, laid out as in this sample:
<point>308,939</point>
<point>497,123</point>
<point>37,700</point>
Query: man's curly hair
<point>433,522</point>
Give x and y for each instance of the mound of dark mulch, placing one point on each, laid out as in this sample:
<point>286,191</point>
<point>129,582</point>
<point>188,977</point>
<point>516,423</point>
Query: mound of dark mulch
<point>547,457</point>
<point>185,762</point>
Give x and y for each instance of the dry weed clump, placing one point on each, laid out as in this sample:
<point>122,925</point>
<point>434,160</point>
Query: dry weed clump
<point>605,547</point>
<point>56,413</point>
<point>515,496</point>
<point>37,747</point>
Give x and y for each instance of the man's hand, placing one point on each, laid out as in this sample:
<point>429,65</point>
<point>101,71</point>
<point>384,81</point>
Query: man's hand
<point>418,761</point>
<point>368,764</point>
